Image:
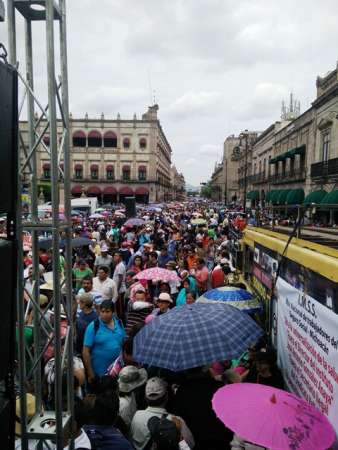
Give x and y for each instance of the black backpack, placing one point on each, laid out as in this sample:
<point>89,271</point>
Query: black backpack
<point>164,434</point>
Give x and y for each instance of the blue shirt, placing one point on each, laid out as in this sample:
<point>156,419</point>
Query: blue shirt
<point>107,437</point>
<point>105,345</point>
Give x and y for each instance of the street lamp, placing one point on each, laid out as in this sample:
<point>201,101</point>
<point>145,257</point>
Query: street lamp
<point>245,135</point>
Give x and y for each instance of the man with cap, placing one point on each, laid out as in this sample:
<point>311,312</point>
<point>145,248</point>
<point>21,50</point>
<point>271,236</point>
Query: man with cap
<point>103,260</point>
<point>157,396</point>
<point>130,379</point>
<point>87,315</point>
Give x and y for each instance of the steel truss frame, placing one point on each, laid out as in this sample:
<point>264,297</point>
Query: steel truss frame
<point>45,425</point>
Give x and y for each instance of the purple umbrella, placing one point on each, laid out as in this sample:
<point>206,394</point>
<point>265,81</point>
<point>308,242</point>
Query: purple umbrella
<point>134,222</point>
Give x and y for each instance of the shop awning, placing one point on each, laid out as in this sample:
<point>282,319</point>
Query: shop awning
<point>94,190</point>
<point>110,190</point>
<point>295,197</point>
<point>46,166</point>
<point>125,167</point>
<point>330,198</point>
<point>110,168</point>
<point>77,189</point>
<point>142,167</point>
<point>142,191</point>
<point>315,197</point>
<point>300,150</point>
<point>274,197</point>
<point>268,196</point>
<point>281,157</point>
<point>125,190</point>
<point>78,167</point>
<point>283,196</point>
<point>273,161</point>
<point>94,167</point>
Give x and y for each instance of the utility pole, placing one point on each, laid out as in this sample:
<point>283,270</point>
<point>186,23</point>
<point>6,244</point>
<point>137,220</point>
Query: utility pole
<point>245,135</point>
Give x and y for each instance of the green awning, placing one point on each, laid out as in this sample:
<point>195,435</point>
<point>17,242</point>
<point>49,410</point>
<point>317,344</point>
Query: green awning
<point>315,197</point>
<point>296,151</point>
<point>283,196</point>
<point>330,198</point>
<point>253,195</point>
<point>268,195</point>
<point>272,160</point>
<point>295,197</point>
<point>281,157</point>
<point>274,197</point>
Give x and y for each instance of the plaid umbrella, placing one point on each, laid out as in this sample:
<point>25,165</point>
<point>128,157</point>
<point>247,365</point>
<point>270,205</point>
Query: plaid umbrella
<point>198,222</point>
<point>227,295</point>
<point>194,335</point>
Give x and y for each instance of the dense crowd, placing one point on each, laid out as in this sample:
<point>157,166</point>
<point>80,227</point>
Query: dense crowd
<point>120,402</point>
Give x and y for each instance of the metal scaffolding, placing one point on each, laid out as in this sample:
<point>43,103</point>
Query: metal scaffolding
<point>46,425</point>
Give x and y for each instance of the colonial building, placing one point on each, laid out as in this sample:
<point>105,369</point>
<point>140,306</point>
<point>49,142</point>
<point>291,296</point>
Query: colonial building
<point>217,183</point>
<point>177,184</point>
<point>294,160</point>
<point>112,159</point>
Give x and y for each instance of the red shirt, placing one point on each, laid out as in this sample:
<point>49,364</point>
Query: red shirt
<point>202,276</point>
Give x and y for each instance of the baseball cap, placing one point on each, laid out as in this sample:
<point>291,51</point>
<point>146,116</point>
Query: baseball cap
<point>156,388</point>
<point>165,297</point>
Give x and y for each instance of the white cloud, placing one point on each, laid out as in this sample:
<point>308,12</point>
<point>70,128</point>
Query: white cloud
<point>193,104</point>
<point>217,66</point>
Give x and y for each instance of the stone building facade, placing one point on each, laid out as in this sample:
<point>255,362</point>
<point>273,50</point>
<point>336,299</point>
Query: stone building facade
<point>178,184</point>
<point>293,160</point>
<point>217,183</point>
<point>112,159</point>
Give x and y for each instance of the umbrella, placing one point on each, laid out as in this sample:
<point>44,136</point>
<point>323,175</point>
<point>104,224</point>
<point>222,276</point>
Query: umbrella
<point>157,273</point>
<point>134,222</point>
<point>198,222</point>
<point>81,242</point>
<point>273,418</point>
<point>195,335</point>
<point>96,216</point>
<point>99,210</point>
<point>226,295</point>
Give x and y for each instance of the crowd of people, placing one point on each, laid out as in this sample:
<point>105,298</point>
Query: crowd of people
<point>121,404</point>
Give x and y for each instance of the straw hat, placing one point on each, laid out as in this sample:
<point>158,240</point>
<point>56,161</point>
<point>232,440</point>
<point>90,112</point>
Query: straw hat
<point>131,377</point>
<point>31,408</point>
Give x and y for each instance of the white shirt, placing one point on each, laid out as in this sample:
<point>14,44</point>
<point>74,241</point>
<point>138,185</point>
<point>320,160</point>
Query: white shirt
<point>120,269</point>
<point>139,431</point>
<point>107,288</point>
<point>128,408</point>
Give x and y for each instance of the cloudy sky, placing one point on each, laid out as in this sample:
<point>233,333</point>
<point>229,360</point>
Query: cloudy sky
<point>216,67</point>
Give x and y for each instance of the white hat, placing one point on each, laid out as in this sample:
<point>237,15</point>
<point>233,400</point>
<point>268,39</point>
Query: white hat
<point>131,377</point>
<point>104,248</point>
<point>224,261</point>
<point>165,297</point>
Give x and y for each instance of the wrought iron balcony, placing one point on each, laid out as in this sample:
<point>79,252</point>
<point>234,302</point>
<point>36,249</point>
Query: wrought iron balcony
<point>325,169</point>
<point>289,176</point>
<point>259,178</point>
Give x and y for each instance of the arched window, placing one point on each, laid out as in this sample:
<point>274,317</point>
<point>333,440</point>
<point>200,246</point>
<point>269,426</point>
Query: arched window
<point>143,143</point>
<point>110,172</point>
<point>126,143</point>
<point>126,173</point>
<point>142,173</point>
<point>79,139</point>
<point>94,139</point>
<point>94,171</point>
<point>110,139</point>
<point>78,169</point>
<point>46,171</point>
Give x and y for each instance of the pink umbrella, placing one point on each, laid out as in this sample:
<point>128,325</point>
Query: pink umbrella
<point>272,418</point>
<point>157,274</point>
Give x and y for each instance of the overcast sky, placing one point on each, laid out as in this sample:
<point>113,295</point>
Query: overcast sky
<point>216,66</point>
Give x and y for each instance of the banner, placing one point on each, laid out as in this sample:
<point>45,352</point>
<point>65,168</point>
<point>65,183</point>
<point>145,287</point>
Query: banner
<point>308,348</point>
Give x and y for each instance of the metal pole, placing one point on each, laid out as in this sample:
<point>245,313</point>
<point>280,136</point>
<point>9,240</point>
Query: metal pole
<point>11,32</point>
<point>55,216</point>
<point>67,202</point>
<point>245,170</point>
<point>34,207</point>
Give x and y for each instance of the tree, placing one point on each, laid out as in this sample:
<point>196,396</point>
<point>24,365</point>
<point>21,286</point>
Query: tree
<point>206,190</point>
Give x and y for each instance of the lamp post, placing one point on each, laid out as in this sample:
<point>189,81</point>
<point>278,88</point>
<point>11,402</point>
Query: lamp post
<point>245,135</point>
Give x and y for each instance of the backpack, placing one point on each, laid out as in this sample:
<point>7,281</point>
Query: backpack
<point>164,434</point>
<point>106,438</point>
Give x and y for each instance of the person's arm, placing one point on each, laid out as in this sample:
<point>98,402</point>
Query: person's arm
<point>114,291</point>
<point>86,355</point>
<point>86,352</point>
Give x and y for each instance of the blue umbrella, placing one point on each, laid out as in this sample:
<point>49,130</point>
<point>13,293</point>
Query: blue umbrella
<point>195,335</point>
<point>227,295</point>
